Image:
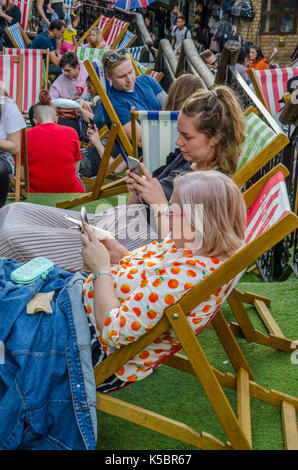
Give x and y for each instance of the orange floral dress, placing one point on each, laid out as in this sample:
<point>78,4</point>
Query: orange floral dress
<point>146,281</point>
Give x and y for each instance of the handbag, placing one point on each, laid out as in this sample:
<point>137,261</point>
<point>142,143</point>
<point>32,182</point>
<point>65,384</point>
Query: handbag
<point>247,10</point>
<point>236,8</point>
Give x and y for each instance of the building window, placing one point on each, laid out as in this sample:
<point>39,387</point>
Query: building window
<point>279,16</point>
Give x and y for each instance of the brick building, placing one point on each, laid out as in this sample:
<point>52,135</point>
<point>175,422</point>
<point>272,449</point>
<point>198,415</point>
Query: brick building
<point>274,25</point>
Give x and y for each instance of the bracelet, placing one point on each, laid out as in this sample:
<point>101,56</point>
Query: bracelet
<point>98,273</point>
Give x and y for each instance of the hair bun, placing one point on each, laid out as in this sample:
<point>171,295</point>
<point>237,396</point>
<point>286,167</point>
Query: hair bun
<point>45,98</point>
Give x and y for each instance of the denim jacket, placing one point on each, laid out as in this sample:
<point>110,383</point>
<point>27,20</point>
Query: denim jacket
<point>47,387</point>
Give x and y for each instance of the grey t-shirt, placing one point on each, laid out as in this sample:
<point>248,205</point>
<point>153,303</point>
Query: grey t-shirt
<point>180,35</point>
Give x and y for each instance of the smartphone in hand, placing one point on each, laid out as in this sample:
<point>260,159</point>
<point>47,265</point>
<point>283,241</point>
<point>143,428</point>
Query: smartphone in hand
<point>84,217</point>
<point>92,123</point>
<point>134,165</point>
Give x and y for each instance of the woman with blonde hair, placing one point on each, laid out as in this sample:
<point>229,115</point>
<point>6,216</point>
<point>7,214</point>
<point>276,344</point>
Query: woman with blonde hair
<point>211,132</point>
<point>95,39</point>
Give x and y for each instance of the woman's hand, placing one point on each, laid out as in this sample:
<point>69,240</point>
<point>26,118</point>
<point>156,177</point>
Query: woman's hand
<point>95,255</point>
<point>147,187</point>
<point>115,249</point>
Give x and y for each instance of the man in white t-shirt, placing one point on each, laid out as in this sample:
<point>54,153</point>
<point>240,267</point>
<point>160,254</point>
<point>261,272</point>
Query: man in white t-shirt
<point>179,33</point>
<point>11,124</point>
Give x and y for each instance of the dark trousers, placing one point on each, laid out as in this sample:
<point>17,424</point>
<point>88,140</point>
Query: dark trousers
<point>4,180</point>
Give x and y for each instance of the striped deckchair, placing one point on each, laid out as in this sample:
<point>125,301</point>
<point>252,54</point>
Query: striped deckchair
<point>141,70</point>
<point>135,52</point>
<point>25,6</point>
<point>271,85</point>
<point>269,221</point>
<point>11,76</point>
<point>68,5</point>
<point>116,32</point>
<point>90,53</point>
<point>34,74</point>
<point>128,40</point>
<point>159,134</point>
<point>17,36</point>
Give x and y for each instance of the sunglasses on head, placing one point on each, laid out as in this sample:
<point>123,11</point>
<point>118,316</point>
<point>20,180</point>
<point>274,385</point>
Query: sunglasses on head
<point>115,55</point>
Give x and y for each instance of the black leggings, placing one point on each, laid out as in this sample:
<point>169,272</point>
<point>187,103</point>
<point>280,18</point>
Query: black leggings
<point>4,181</point>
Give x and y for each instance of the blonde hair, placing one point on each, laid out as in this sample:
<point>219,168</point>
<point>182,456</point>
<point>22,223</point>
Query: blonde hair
<point>224,210</point>
<point>218,112</point>
<point>99,35</point>
<point>183,87</point>
<point>110,66</point>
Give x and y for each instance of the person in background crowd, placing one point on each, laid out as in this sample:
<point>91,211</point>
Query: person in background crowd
<point>210,60</point>
<point>95,39</point>
<point>72,83</point>
<point>53,152</point>
<point>11,124</point>
<point>242,64</point>
<point>127,90</point>
<point>9,15</point>
<point>179,33</point>
<point>48,40</point>
<point>70,34</point>
<point>174,15</point>
<point>257,59</point>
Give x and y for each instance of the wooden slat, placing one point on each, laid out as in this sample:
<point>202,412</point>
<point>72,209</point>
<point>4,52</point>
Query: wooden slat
<point>267,318</point>
<point>158,423</point>
<point>289,423</point>
<point>243,401</point>
<point>207,378</point>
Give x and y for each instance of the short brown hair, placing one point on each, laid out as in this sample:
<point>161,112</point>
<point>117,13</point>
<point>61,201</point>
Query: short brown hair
<point>214,112</point>
<point>110,66</point>
<point>181,89</point>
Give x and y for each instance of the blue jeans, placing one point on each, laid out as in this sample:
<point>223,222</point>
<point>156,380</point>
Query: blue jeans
<point>47,388</point>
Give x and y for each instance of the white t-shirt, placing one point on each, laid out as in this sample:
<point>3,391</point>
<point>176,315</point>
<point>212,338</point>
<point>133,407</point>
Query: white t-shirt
<point>11,119</point>
<point>180,35</point>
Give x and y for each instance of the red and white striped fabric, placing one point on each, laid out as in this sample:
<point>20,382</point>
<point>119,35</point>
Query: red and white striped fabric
<point>25,7</point>
<point>32,75</point>
<point>103,22</point>
<point>274,85</point>
<point>9,76</point>
<point>271,204</point>
<point>114,31</point>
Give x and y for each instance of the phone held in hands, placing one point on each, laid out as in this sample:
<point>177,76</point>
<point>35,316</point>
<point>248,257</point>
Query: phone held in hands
<point>134,165</point>
<point>84,217</point>
<point>92,123</point>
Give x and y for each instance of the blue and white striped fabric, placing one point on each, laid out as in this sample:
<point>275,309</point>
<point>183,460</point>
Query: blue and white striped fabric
<point>126,40</point>
<point>97,64</point>
<point>17,35</point>
<point>136,52</point>
<point>68,4</point>
<point>159,134</point>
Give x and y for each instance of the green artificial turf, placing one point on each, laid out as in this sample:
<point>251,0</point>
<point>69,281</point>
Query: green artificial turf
<point>179,396</point>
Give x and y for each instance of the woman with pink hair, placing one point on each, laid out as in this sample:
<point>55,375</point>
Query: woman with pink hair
<point>126,293</point>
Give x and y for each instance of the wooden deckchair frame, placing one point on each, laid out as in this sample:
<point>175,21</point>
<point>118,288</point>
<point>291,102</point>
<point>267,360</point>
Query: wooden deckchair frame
<point>97,189</point>
<point>19,60</point>
<point>24,35</point>
<point>245,328</point>
<point>237,428</point>
<point>21,187</point>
